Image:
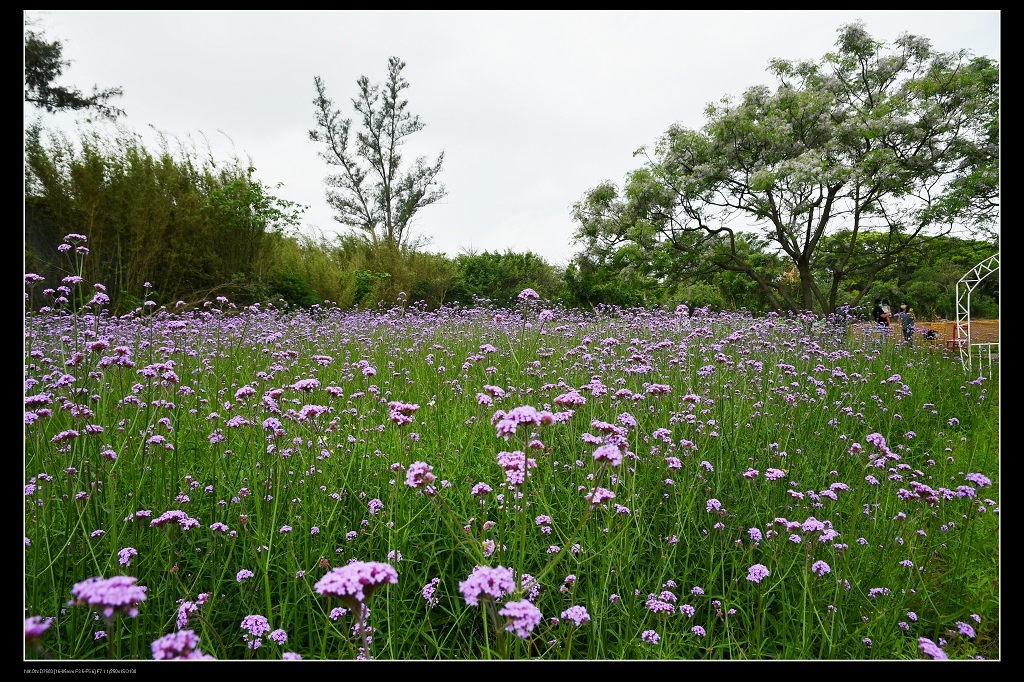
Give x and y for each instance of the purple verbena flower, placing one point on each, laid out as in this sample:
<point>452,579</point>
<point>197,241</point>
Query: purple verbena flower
<point>354,583</point>
<point>609,453</point>
<point>256,626</point>
<point>577,614</point>
<point>523,617</point>
<point>979,479</point>
<point>930,648</point>
<point>487,582</point>
<point>181,645</point>
<point>650,636</point>
<point>528,294</point>
<point>757,573</point>
<point>419,477</point>
<point>599,496</point>
<point>35,626</point>
<point>118,594</point>
<point>428,593</point>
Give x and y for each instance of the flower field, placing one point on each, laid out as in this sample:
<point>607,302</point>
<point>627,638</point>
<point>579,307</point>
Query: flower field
<point>472,483</point>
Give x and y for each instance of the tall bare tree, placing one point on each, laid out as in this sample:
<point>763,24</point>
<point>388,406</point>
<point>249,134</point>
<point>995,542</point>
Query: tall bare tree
<point>370,190</point>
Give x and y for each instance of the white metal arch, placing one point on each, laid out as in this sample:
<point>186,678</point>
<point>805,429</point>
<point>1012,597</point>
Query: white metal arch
<point>967,284</point>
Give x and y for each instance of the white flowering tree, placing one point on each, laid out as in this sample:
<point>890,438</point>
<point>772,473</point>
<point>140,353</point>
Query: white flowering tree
<point>900,141</point>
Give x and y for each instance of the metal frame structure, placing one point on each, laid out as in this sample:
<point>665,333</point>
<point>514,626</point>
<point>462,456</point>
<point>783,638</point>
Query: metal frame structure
<point>962,339</point>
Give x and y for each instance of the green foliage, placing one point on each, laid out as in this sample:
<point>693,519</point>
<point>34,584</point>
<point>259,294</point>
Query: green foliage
<point>249,220</point>
<point>589,284</point>
<point>295,290</point>
<point>375,274</point>
<point>311,257</point>
<point>181,221</point>
<point>624,274</point>
<point>435,276</point>
<point>925,275</point>
<point>499,277</point>
<point>371,192</point>
<point>44,65</point>
<point>889,144</point>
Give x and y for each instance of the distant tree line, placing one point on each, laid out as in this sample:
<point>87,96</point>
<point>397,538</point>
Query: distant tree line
<point>194,228</point>
<point>839,187</point>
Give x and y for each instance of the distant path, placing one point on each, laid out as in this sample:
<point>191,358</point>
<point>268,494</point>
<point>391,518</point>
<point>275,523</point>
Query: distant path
<point>982,331</point>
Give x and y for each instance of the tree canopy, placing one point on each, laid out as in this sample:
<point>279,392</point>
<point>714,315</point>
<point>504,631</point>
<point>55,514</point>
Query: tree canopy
<point>44,65</point>
<point>370,191</point>
<point>898,141</point>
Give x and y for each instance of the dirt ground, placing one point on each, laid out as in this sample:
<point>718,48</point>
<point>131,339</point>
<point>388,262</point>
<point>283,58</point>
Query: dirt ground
<point>981,331</point>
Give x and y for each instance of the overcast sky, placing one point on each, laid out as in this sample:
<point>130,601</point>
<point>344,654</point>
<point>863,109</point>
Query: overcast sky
<point>531,109</point>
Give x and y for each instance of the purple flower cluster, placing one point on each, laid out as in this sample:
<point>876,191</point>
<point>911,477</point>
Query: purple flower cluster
<point>528,294</point>
<point>428,593</point>
<point>577,614</point>
<point>516,465</point>
<point>256,626</point>
<point>419,477</point>
<point>185,611</point>
<point>655,605</point>
<point>175,516</point>
<point>965,629</point>
<point>35,627</point>
<point>485,581</point>
<point>124,556</point>
<point>523,617</point>
<point>182,645</point>
<point>979,479</point>
<point>531,585</point>
<point>306,384</point>
<point>119,594</point>
<point>609,453</point>
<point>930,648</point>
<point>599,496</point>
<point>507,423</point>
<point>354,583</point>
<point>757,573</point>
